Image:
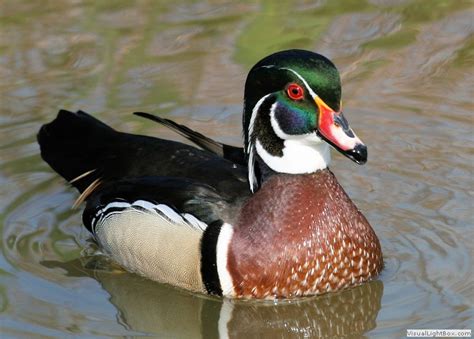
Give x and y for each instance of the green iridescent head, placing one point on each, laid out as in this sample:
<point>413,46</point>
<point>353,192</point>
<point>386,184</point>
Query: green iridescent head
<point>292,104</point>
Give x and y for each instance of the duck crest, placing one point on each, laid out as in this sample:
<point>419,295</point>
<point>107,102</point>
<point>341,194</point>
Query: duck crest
<point>301,235</point>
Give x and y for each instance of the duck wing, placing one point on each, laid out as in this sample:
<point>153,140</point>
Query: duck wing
<point>177,200</point>
<point>155,206</point>
<point>87,152</point>
<point>231,153</point>
<point>162,228</point>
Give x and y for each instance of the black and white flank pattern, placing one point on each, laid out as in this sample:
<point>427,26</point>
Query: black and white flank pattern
<point>164,211</point>
<point>158,242</point>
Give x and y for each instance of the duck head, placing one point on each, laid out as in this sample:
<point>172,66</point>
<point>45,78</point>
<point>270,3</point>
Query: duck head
<point>292,113</point>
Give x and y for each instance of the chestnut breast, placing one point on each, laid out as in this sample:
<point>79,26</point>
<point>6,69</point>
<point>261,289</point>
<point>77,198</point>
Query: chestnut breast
<point>301,235</point>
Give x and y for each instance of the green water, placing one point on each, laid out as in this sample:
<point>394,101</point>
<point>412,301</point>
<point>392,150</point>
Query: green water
<point>407,91</point>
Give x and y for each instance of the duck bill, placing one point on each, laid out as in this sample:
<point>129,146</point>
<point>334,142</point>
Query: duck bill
<point>335,130</point>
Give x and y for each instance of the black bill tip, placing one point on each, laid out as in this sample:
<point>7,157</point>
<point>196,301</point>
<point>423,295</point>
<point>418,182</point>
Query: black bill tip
<point>358,154</point>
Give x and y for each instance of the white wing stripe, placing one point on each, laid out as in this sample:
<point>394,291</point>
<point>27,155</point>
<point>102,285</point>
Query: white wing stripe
<point>194,221</point>
<point>164,211</point>
<point>170,213</point>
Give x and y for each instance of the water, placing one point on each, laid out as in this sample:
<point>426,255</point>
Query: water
<point>407,91</point>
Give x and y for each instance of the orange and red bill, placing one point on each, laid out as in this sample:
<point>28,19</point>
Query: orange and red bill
<point>335,130</point>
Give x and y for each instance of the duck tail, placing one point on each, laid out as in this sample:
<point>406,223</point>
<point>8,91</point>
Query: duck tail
<point>71,145</point>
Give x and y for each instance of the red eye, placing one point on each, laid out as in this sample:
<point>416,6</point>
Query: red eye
<point>295,92</point>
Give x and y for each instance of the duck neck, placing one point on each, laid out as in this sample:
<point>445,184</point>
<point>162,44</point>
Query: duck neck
<point>298,156</point>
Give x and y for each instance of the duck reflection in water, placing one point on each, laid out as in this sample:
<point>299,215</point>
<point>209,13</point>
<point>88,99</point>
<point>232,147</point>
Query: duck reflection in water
<point>152,308</point>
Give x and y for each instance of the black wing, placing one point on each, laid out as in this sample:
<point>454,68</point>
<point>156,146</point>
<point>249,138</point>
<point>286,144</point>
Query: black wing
<point>83,150</point>
<point>231,153</point>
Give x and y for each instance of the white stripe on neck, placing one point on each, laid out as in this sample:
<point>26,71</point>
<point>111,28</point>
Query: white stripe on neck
<point>305,155</point>
<point>250,149</point>
<point>222,251</point>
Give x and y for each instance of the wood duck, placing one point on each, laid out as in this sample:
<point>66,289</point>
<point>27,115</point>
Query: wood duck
<point>268,220</point>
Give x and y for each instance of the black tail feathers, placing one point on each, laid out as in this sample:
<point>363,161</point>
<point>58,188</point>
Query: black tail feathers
<point>71,145</point>
<point>83,150</point>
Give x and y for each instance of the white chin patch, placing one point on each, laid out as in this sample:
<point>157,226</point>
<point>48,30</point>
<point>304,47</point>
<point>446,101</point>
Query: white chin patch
<point>305,155</point>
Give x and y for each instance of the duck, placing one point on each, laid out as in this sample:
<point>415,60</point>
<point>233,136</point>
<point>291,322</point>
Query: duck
<point>268,220</point>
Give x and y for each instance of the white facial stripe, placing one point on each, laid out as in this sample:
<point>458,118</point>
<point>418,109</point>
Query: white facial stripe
<point>275,125</point>
<point>279,132</point>
<point>253,117</point>
<point>251,174</point>
<point>310,90</point>
<point>250,151</point>
<point>305,155</point>
<point>222,249</point>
